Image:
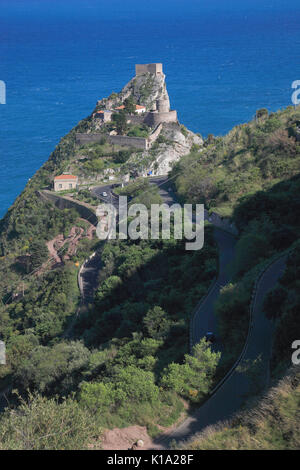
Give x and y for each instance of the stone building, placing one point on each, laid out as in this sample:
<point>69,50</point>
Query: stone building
<point>141,69</point>
<point>104,115</point>
<point>64,182</point>
<point>139,109</point>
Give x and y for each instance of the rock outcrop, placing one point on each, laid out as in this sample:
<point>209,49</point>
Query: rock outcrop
<point>179,142</point>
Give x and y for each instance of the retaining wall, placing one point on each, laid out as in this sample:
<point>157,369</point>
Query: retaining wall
<point>152,137</point>
<point>66,203</point>
<point>122,140</point>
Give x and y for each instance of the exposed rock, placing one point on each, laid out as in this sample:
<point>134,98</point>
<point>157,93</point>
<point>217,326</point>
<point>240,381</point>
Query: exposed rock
<point>178,143</point>
<point>147,89</point>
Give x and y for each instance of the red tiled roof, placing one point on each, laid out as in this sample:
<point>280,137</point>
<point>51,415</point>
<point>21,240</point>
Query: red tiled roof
<point>65,177</point>
<point>137,106</point>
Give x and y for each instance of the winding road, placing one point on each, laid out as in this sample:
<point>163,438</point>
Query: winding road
<point>231,395</point>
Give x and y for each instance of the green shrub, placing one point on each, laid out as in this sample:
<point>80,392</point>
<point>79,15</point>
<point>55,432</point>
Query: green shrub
<point>42,424</point>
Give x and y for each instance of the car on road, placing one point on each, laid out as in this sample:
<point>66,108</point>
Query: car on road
<point>104,194</point>
<point>210,337</point>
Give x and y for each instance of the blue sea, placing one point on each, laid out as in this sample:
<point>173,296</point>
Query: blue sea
<point>223,60</point>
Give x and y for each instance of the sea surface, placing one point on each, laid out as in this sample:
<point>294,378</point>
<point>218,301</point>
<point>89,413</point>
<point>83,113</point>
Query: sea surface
<point>223,60</point>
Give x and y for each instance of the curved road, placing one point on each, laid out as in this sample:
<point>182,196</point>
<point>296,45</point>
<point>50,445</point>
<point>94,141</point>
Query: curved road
<point>229,398</point>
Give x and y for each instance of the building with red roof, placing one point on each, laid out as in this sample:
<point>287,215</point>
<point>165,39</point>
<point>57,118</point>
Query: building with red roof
<point>65,181</point>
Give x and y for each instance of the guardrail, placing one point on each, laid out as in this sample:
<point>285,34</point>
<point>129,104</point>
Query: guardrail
<point>196,309</point>
<point>79,277</point>
<point>250,326</point>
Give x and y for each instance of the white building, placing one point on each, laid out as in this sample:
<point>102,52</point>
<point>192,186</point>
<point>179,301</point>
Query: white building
<point>140,109</point>
<point>64,182</point>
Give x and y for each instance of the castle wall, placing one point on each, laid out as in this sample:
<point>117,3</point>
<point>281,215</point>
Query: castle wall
<point>82,139</point>
<point>152,138</point>
<point>141,69</point>
<point>137,142</point>
<point>153,119</point>
<point>123,140</point>
<point>137,119</point>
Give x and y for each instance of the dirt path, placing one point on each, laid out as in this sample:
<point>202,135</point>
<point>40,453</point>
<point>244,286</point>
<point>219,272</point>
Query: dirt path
<point>57,257</point>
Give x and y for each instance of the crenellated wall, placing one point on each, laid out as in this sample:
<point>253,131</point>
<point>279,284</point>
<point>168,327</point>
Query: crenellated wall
<point>141,69</point>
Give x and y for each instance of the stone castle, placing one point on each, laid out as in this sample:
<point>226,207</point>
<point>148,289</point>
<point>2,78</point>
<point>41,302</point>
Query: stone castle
<point>160,110</point>
<point>154,115</point>
<point>141,69</point>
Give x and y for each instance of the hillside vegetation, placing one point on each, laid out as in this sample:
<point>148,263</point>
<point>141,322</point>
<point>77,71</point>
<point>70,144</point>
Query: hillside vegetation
<point>253,175</point>
<point>272,423</point>
<point>127,361</point>
<point>250,158</point>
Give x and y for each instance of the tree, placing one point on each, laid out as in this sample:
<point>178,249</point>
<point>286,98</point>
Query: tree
<point>39,253</point>
<point>135,385</point>
<point>120,120</point>
<point>130,105</point>
<point>262,113</point>
<point>156,323</point>
<point>111,286</point>
<point>251,247</point>
<point>194,377</point>
<point>97,397</point>
<point>19,348</point>
<point>53,370</point>
<point>122,156</point>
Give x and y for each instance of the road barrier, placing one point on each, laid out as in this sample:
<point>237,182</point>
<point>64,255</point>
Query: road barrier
<point>250,325</point>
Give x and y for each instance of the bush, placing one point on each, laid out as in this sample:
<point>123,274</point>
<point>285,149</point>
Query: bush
<point>41,424</point>
<point>55,370</point>
<point>194,377</point>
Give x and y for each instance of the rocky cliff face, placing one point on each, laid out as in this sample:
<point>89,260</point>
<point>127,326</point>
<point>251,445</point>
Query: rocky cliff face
<point>147,90</point>
<point>179,142</point>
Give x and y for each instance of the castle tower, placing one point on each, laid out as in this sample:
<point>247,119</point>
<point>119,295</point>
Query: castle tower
<point>163,105</point>
<point>141,69</point>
